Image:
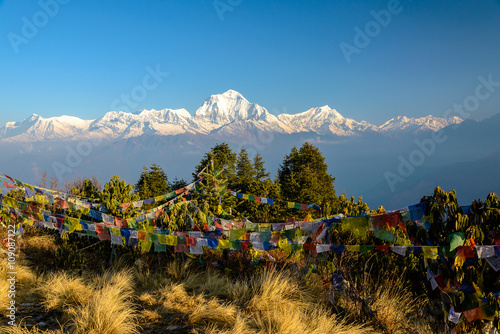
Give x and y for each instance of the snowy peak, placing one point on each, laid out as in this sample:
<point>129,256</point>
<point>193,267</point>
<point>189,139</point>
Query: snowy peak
<point>403,124</point>
<point>230,106</point>
<point>36,127</point>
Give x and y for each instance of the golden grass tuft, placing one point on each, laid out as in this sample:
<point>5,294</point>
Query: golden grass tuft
<point>394,306</point>
<point>62,289</point>
<point>174,298</point>
<point>148,299</point>
<point>147,317</point>
<point>24,275</point>
<point>283,304</point>
<point>109,309</point>
<point>24,279</point>
<point>213,312</point>
<point>17,329</point>
<point>39,244</point>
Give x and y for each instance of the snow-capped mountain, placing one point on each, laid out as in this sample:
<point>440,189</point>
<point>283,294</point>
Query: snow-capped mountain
<point>125,125</point>
<point>226,114</point>
<point>430,123</point>
<point>325,120</point>
<point>37,128</point>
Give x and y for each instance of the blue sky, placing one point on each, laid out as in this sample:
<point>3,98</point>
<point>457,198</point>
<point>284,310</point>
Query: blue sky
<point>283,55</point>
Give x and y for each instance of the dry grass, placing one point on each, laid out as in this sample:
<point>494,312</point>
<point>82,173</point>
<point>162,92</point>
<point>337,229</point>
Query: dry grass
<point>148,299</point>
<point>149,316</point>
<point>62,289</point>
<point>24,279</point>
<point>109,309</point>
<point>394,306</point>
<point>383,303</point>
<point>39,244</point>
<point>283,304</point>
<point>22,330</point>
<point>271,302</point>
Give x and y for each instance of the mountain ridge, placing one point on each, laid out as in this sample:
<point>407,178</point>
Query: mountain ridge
<point>228,113</point>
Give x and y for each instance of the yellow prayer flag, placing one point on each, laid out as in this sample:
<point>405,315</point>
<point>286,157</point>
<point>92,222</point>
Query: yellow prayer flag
<point>223,243</point>
<point>162,239</point>
<point>145,245</point>
<point>115,230</point>
<point>430,252</point>
<point>353,248</point>
<point>171,240</point>
<point>358,226</point>
<point>284,245</point>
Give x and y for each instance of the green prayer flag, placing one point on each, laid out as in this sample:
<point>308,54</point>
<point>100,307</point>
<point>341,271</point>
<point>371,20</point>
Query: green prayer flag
<point>385,235</point>
<point>456,239</point>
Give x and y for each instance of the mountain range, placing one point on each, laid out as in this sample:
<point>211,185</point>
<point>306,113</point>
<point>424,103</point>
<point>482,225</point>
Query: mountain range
<point>226,114</point>
<point>359,154</point>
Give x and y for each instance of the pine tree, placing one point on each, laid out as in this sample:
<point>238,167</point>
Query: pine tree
<point>224,160</point>
<point>116,192</point>
<point>212,193</point>
<point>178,184</point>
<point>264,213</point>
<point>88,188</point>
<point>245,172</point>
<point>260,170</point>
<point>303,177</point>
<point>152,182</point>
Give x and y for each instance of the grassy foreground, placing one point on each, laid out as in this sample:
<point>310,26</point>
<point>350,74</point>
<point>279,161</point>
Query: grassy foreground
<point>163,293</point>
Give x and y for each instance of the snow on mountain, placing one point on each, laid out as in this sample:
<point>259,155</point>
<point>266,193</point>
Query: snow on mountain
<point>38,128</point>
<point>125,125</point>
<point>324,120</point>
<point>226,114</point>
<point>404,124</point>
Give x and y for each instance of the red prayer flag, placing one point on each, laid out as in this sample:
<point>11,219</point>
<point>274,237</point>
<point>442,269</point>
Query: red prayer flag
<point>466,251</point>
<point>180,191</point>
<point>191,241</point>
<point>474,314</point>
<point>7,185</point>
<point>385,220</point>
<point>244,244</point>
<point>142,235</point>
<point>11,179</point>
<point>384,249</point>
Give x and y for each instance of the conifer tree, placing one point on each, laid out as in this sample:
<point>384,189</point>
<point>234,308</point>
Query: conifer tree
<point>260,170</point>
<point>178,183</point>
<point>115,192</point>
<point>224,159</point>
<point>303,177</point>
<point>152,182</point>
<point>245,172</point>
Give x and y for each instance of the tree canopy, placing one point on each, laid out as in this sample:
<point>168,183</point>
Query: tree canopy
<point>152,182</point>
<point>303,177</point>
